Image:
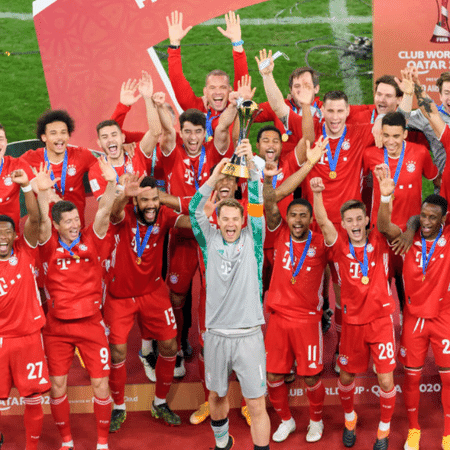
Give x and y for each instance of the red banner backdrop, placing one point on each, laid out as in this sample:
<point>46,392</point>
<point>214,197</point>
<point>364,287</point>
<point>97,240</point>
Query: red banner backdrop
<point>412,32</point>
<point>89,48</point>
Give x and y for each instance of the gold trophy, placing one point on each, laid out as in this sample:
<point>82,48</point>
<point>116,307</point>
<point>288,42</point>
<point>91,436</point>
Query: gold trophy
<point>441,33</point>
<point>247,112</point>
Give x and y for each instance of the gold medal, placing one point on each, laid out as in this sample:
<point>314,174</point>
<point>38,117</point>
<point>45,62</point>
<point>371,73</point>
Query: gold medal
<point>285,137</point>
<point>210,138</point>
<point>333,174</point>
<point>365,279</point>
<point>138,260</point>
<point>76,257</point>
<point>423,278</point>
<point>293,280</point>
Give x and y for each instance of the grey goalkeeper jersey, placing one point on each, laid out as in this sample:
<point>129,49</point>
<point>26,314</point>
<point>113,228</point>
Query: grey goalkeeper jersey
<point>233,271</point>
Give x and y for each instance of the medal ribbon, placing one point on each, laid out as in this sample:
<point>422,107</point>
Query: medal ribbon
<point>400,162</point>
<point>297,269</point>
<point>332,162</point>
<point>426,258</point>
<point>209,129</point>
<point>141,247</point>
<point>63,172</point>
<point>124,167</point>
<point>274,179</point>
<point>364,266</point>
<point>372,119</point>
<point>1,166</point>
<point>201,161</point>
<point>72,245</point>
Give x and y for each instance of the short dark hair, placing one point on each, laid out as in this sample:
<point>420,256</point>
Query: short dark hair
<point>231,202</point>
<point>61,207</point>
<point>5,218</point>
<point>195,116</point>
<point>299,71</point>
<point>148,182</point>
<point>267,128</point>
<point>303,202</point>
<point>445,76</point>
<point>107,123</point>
<point>390,80</point>
<point>54,115</point>
<point>335,95</point>
<point>437,200</point>
<point>217,73</point>
<point>2,127</point>
<point>394,119</point>
<point>352,204</point>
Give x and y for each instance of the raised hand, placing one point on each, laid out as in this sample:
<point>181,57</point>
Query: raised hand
<point>211,204</point>
<point>43,179</point>
<point>145,85</point>
<point>175,26</point>
<point>406,84</point>
<point>262,56</point>
<point>387,185</point>
<point>19,176</point>
<point>313,155</point>
<point>132,186</point>
<point>271,170</point>
<point>128,94</point>
<point>245,149</point>
<point>306,94</point>
<point>233,31</point>
<point>245,87</point>
<point>402,243</point>
<point>108,172</point>
<point>317,185</point>
<point>159,98</point>
<point>129,149</point>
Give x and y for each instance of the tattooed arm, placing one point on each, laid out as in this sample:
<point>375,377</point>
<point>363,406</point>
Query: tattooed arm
<point>429,110</point>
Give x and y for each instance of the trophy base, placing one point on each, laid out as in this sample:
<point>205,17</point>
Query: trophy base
<point>440,35</point>
<point>236,170</point>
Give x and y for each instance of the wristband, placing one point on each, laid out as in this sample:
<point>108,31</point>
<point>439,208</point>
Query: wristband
<point>386,198</point>
<point>237,43</point>
<point>26,188</point>
<point>174,47</point>
<point>120,187</point>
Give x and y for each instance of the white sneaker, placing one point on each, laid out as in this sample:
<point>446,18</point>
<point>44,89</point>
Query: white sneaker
<point>315,431</point>
<point>180,370</point>
<point>284,430</point>
<point>149,370</point>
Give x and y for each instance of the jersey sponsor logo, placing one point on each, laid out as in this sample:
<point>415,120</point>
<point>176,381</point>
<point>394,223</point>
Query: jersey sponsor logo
<point>7,180</point>
<point>343,360</point>
<point>173,278</point>
<point>354,270</point>
<point>189,176</point>
<point>94,185</point>
<point>71,170</point>
<point>442,241</point>
<point>346,145</point>
<point>13,260</point>
<point>411,166</point>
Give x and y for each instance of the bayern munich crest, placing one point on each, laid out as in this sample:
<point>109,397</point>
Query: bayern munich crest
<point>343,360</point>
<point>410,166</point>
<point>71,170</point>
<point>8,181</point>
<point>13,260</point>
<point>402,352</point>
<point>129,168</point>
<point>345,145</point>
<point>369,248</point>
<point>173,278</point>
<point>311,252</point>
<point>83,247</point>
<point>155,229</point>
<point>442,241</point>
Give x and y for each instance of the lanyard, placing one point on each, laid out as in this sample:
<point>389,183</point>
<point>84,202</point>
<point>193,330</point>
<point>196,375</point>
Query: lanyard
<point>201,161</point>
<point>399,164</point>
<point>209,129</point>
<point>364,266</point>
<point>427,258</point>
<point>69,248</point>
<point>332,162</point>
<point>63,172</point>
<point>141,247</point>
<point>297,269</point>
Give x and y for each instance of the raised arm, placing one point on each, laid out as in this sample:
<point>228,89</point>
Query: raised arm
<point>406,84</point>
<point>226,119</point>
<point>328,229</point>
<point>271,210</point>
<point>151,137</point>
<point>130,188</point>
<point>274,95</point>
<point>102,217</point>
<point>169,136</point>
<point>233,31</point>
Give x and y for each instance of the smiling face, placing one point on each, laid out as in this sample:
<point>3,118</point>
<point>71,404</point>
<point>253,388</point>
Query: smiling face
<point>354,221</point>
<point>335,113</point>
<point>56,138</point>
<point>193,137</point>
<point>444,95</point>
<point>7,236</point>
<point>111,139</point>
<point>385,99</point>
<point>269,146</point>
<point>393,137</point>
<point>216,91</point>
<point>298,219</point>
<point>148,205</point>
<point>69,226</point>
<point>226,187</point>
<point>230,221</point>
<point>431,219</point>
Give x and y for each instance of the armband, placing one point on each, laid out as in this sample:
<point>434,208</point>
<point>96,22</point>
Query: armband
<point>174,47</point>
<point>26,188</point>
<point>386,198</point>
<point>237,43</point>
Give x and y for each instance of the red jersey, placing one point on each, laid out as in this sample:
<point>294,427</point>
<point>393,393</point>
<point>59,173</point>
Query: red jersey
<point>408,192</point>
<point>73,285</point>
<point>362,303</point>
<point>425,298</point>
<point>128,278</point>
<point>445,186</point>
<point>10,191</point>
<point>119,115</point>
<point>348,182</point>
<point>131,165</point>
<point>303,299</point>
<point>79,160</point>
<point>20,304</point>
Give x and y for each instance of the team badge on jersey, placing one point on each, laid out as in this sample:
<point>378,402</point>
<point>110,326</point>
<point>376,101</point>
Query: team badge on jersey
<point>83,247</point>
<point>369,248</point>
<point>13,260</point>
<point>442,241</point>
<point>402,352</point>
<point>343,360</point>
<point>346,145</point>
<point>311,252</point>
<point>7,180</point>
<point>173,278</point>
<point>129,168</point>
<point>411,166</point>
<point>71,170</point>
<point>155,229</point>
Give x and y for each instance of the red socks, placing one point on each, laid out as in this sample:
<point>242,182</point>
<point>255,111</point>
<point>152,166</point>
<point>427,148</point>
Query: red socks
<point>117,380</point>
<point>102,410</point>
<point>411,395</point>
<point>387,404</point>
<point>278,395</point>
<point>164,375</point>
<point>445,398</point>
<point>33,418</point>
<point>346,394</point>
<point>316,395</point>
<point>61,414</point>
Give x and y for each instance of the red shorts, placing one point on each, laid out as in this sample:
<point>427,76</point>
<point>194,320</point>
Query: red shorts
<point>418,333</point>
<point>269,256</point>
<point>154,314</point>
<point>88,334</point>
<point>358,342</point>
<point>22,363</point>
<point>183,262</point>
<point>297,339</point>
